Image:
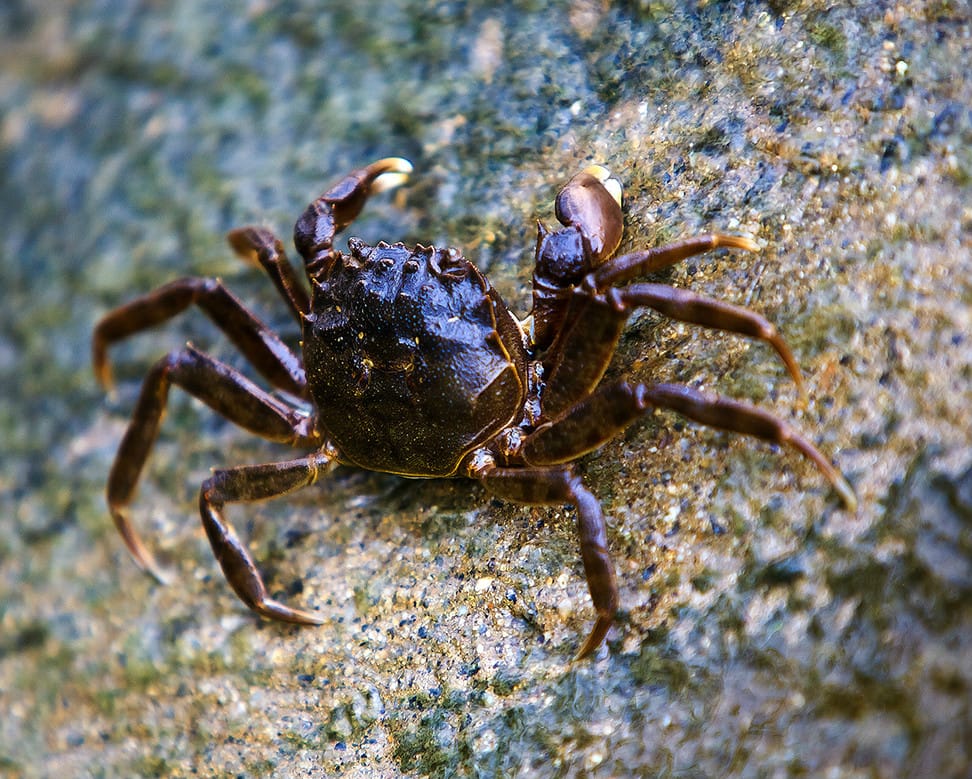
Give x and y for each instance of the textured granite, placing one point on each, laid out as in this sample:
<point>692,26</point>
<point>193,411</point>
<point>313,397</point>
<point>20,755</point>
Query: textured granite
<point>765,631</point>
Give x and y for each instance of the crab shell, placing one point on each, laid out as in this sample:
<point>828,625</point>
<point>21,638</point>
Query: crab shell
<point>413,358</point>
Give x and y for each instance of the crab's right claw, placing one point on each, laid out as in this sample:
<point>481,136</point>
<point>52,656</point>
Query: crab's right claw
<point>591,201</point>
<point>391,172</point>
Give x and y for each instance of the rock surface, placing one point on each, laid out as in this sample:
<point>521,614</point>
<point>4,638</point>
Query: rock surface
<point>765,631</point>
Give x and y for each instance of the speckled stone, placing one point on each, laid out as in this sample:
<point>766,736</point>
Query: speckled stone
<point>764,630</point>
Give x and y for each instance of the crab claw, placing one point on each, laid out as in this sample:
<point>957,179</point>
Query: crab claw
<point>394,173</point>
<point>348,197</point>
<point>591,201</point>
<point>341,204</point>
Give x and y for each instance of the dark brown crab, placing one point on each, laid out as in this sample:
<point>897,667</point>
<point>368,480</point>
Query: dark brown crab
<point>412,364</point>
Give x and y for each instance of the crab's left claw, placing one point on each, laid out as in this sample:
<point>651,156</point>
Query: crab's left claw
<point>591,201</point>
<point>392,172</point>
<point>347,198</point>
<point>341,204</point>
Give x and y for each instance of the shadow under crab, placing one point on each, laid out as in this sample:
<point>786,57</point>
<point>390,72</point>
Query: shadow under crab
<point>413,365</point>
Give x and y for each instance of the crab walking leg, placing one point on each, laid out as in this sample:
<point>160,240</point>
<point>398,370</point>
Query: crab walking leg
<point>258,246</point>
<point>552,486</point>
<point>630,266</point>
<point>594,323</point>
<point>693,308</point>
<point>258,343</point>
<point>223,389</point>
<point>250,483</point>
<point>582,351</point>
<point>614,406</point>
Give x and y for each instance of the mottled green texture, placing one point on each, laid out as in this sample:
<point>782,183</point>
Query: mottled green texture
<point>764,631</point>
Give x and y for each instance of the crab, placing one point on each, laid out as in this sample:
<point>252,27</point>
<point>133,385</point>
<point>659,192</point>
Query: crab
<point>412,364</point>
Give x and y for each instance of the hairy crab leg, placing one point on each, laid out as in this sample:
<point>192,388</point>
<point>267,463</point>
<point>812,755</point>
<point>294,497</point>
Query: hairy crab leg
<point>258,343</point>
<point>594,323</point>
<point>630,266</point>
<point>251,483</point>
<point>613,407</point>
<point>695,309</point>
<point>553,486</point>
<point>258,246</point>
<point>223,389</point>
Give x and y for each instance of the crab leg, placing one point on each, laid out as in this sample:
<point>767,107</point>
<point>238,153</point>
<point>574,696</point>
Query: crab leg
<point>630,266</point>
<point>220,387</point>
<point>339,206</point>
<point>552,486</point>
<point>614,406</point>
<point>258,246</point>
<point>251,483</point>
<point>582,350</point>
<point>258,343</point>
<point>695,309</point>
<point>594,322</point>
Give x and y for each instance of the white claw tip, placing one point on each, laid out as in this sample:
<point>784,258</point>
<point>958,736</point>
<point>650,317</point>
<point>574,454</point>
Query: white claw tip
<point>396,165</point>
<point>391,172</point>
<point>597,171</point>
<point>387,181</point>
<point>611,184</point>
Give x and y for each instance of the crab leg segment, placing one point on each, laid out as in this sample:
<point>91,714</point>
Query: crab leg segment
<point>614,406</point>
<point>737,417</point>
<point>223,389</point>
<point>250,483</point>
<point>630,266</point>
<point>552,486</point>
<point>258,246</point>
<point>340,205</point>
<point>594,322</point>
<point>686,306</point>
<point>258,343</point>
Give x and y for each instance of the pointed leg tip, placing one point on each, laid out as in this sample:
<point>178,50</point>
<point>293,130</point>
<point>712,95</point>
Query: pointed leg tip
<point>245,241</point>
<point>595,638</point>
<point>102,368</point>
<point>147,562</point>
<point>797,375</point>
<point>739,242</point>
<point>801,388</point>
<point>308,620</point>
<point>106,381</point>
<point>162,575</point>
<point>847,494</point>
<point>275,610</point>
<point>724,241</point>
<point>143,558</point>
